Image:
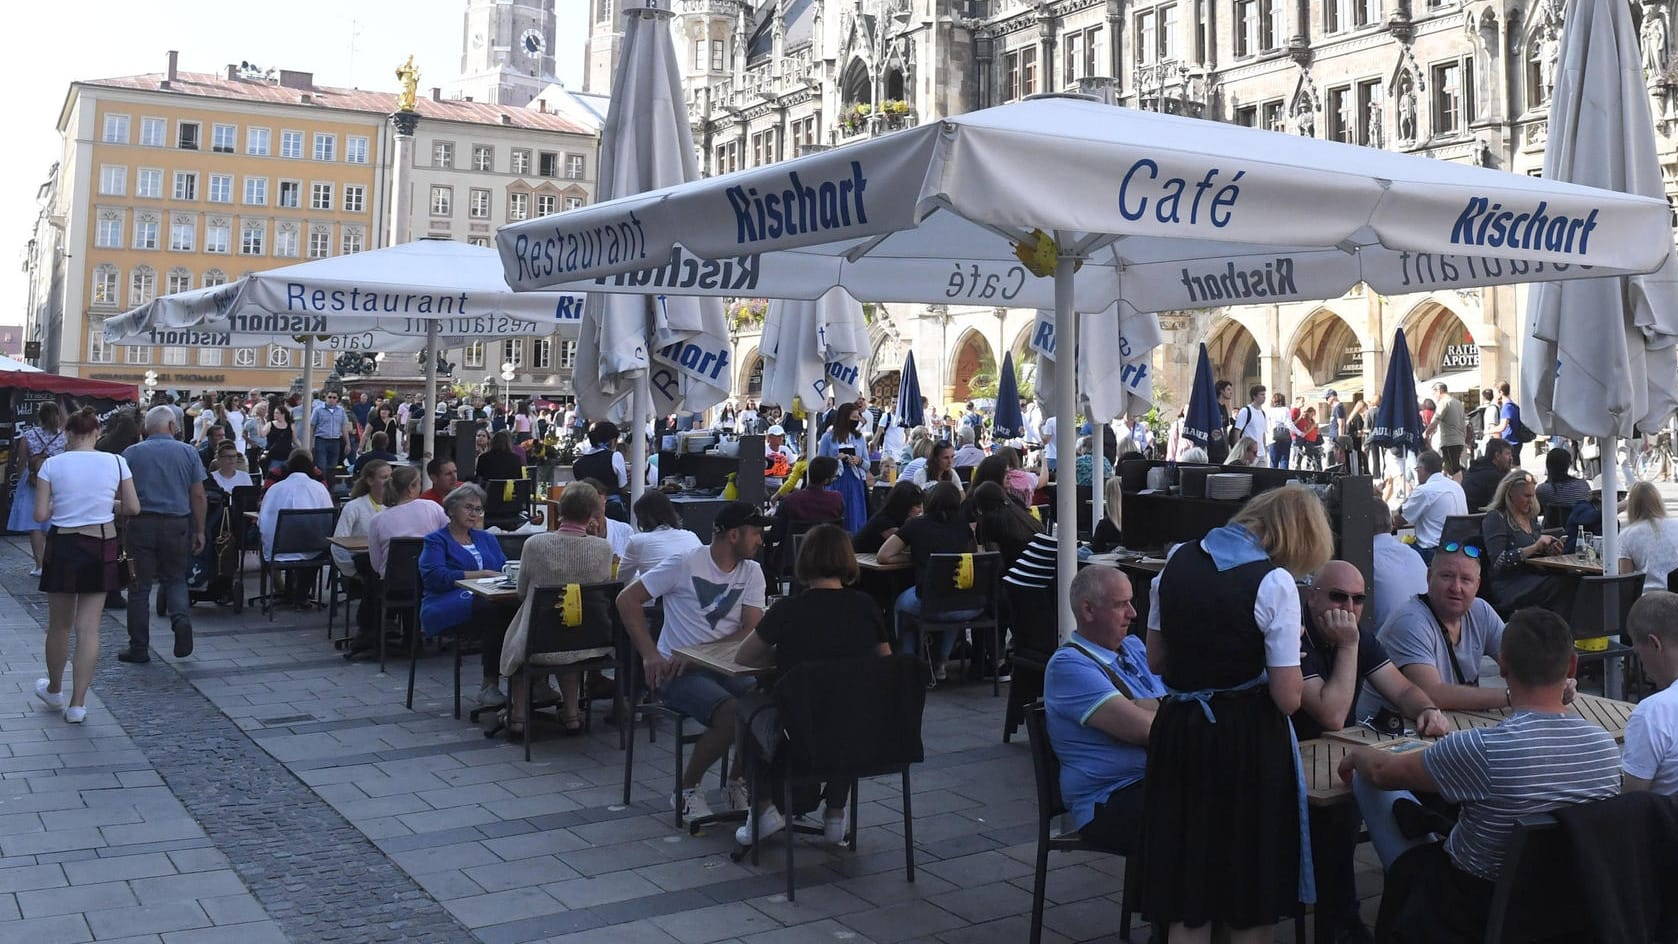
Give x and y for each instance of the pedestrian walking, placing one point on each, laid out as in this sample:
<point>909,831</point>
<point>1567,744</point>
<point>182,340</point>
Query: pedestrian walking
<point>83,557</point>
<point>166,533</point>
<point>37,445</point>
<point>330,426</point>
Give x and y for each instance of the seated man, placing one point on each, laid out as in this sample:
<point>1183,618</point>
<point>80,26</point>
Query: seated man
<point>1538,759</point>
<point>443,479</point>
<point>1437,497</point>
<point>710,594</point>
<point>1438,638</point>
<point>1400,573</point>
<point>1337,658</point>
<point>1650,761</point>
<point>1100,696</point>
<point>297,490</point>
<point>378,448</point>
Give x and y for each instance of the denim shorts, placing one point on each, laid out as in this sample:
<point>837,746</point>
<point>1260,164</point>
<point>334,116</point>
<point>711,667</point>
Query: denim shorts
<point>698,692</point>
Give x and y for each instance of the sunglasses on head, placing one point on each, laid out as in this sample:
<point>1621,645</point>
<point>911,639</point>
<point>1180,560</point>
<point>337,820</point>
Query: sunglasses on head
<point>1469,550</point>
<point>1341,596</point>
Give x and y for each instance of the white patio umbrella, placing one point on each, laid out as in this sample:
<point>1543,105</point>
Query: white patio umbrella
<point>673,353</point>
<point>807,346</point>
<point>413,296</point>
<point>1190,212</point>
<point>1606,368</point>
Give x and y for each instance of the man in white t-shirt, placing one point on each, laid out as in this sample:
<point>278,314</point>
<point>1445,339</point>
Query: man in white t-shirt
<point>889,435</point>
<point>1650,758</point>
<point>1050,451</point>
<point>1252,423</point>
<point>710,594</point>
<point>1437,497</point>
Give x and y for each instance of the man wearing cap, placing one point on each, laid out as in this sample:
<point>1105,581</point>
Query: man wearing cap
<point>710,594</point>
<point>775,444</point>
<point>1336,415</point>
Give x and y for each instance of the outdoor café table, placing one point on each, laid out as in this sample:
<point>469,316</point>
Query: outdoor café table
<point>1567,564</point>
<point>493,589</point>
<point>354,543</point>
<point>719,657</point>
<point>872,562</point>
<point>1320,759</point>
<point>1606,713</point>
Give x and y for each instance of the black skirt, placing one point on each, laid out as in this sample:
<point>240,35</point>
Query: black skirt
<point>82,563</point>
<point>1221,833</point>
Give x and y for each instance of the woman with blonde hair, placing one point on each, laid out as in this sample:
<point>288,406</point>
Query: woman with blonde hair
<point>1650,541</point>
<point>1224,799</point>
<point>1512,537</point>
<point>1109,529</point>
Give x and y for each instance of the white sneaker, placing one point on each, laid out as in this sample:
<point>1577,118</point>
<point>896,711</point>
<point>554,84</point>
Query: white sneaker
<point>834,826</point>
<point>737,796</point>
<point>35,573</point>
<point>53,699</point>
<point>490,696</point>
<point>770,823</point>
<point>75,715</point>
<point>692,804</point>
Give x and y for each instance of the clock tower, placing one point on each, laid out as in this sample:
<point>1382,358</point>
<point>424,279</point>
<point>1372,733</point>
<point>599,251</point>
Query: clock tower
<point>506,51</point>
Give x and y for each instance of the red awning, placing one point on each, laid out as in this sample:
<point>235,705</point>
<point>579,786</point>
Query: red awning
<point>74,386</point>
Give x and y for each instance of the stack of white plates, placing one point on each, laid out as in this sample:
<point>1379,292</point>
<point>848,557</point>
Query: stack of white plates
<point>1229,486</point>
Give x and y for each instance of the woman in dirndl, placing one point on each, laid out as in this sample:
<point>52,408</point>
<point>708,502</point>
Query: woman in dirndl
<point>1225,842</point>
<point>844,441</point>
<point>80,493</point>
<point>40,443</point>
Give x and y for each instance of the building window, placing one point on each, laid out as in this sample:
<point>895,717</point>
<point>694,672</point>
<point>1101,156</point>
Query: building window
<point>442,201</point>
<point>221,188</point>
<point>567,355</point>
<point>174,356</point>
<point>148,183</point>
<point>252,237</point>
<point>186,185</point>
<point>442,154</point>
<point>355,149</point>
<point>547,164</point>
<point>138,354</point>
<point>765,148</point>
<point>1247,116</point>
<point>544,204</point>
<point>178,280</point>
<point>146,228</point>
<point>291,144</point>
<point>518,206</point>
<point>320,243</point>
<point>574,166</point>
<point>326,146</point>
<point>98,352</point>
<point>320,196</point>
<point>1258,27</point>
<point>105,284</point>
<point>290,194</point>
<point>222,138</point>
<point>213,278</point>
<point>718,56</point>
<point>153,131</point>
<point>218,237</point>
<point>1453,96</point>
<point>353,240</point>
<point>512,352</point>
<point>1367,131</point>
<point>209,357</point>
<point>355,198</point>
<point>478,206</point>
<point>116,129</point>
<point>1538,90</point>
<point>183,234</point>
<point>1273,116</point>
<point>285,242</point>
<point>1092,52</point>
<point>483,157</point>
<point>1147,36</point>
<point>244,357</point>
<point>142,286</point>
<point>256,141</point>
<point>482,241</point>
<point>572,203</point>
<point>541,353</point>
<point>1021,73</point>
<point>1341,118</point>
<point>256,191</point>
<point>108,235</point>
<point>187,135</point>
<point>1072,71</point>
<point>475,354</point>
<point>113,180</point>
<point>279,356</point>
<point>318,359</point>
<point>521,161</point>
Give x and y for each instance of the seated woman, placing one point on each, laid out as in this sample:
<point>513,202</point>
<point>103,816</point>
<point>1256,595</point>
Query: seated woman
<point>1000,523</point>
<point>939,530</point>
<point>902,503</point>
<point>1108,531</point>
<point>296,489</point>
<point>939,467</point>
<point>462,550</point>
<point>1560,486</point>
<point>405,516</point>
<point>214,566</point>
<point>572,554</point>
<point>1512,538</point>
<point>660,536</point>
<point>1018,481</point>
<point>1650,541</point>
<point>367,498</point>
<point>1084,467</point>
<point>1244,452</point>
<point>500,463</point>
<point>825,622</point>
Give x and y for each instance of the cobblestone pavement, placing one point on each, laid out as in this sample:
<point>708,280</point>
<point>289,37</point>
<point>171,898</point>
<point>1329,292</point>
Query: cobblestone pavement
<point>266,790</point>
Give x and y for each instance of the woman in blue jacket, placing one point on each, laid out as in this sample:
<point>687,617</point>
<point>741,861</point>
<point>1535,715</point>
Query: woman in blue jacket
<point>458,551</point>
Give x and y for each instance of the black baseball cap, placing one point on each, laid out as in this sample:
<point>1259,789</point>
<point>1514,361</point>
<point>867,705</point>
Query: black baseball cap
<point>739,515</point>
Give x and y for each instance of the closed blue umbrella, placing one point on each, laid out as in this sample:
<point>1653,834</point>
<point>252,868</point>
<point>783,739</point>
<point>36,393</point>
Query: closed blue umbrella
<point>909,411</point>
<point>1398,422</point>
<point>1203,422</point>
<point>1008,423</point>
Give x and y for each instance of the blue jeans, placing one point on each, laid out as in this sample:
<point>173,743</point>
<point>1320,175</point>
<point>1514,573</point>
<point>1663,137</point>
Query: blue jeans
<point>698,692</point>
<point>908,640</point>
<point>1279,454</point>
<point>328,452</point>
<point>1376,805</point>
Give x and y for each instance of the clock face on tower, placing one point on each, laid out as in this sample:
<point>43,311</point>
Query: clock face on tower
<point>532,43</point>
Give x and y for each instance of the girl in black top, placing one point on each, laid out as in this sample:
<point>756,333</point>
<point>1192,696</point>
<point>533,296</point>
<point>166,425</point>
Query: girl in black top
<point>280,443</point>
<point>499,463</point>
<point>940,529</point>
<point>902,503</point>
<point>1001,523</point>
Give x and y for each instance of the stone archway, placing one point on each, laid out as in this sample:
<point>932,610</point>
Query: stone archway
<point>1325,352</point>
<point>750,383</point>
<point>1441,346</point>
<point>1234,353</point>
<point>970,357</point>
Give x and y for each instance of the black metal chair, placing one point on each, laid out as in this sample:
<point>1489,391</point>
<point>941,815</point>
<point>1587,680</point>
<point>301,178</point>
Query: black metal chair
<point>1463,529</point>
<point>939,595</point>
<point>399,596</point>
<point>245,499</point>
<point>635,701</point>
<point>1034,616</point>
<point>507,503</point>
<point>512,545</point>
<point>297,531</point>
<point>1600,609</point>
<point>778,570</point>
<point>551,634</point>
<point>1535,896</point>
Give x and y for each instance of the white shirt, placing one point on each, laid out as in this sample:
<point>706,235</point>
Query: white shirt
<point>86,488</point>
<point>701,603</point>
<point>296,490</point>
<point>745,421</point>
<point>1252,423</point>
<point>1430,504</point>
<point>1653,546</point>
<point>1651,749</point>
<point>618,534</point>
<point>647,549</point>
<point>892,437</point>
<point>1033,424</point>
<point>237,419</point>
<point>1050,451</point>
<point>1279,417</point>
<point>352,522</point>
<point>1400,574</point>
<point>919,478</point>
<point>231,482</point>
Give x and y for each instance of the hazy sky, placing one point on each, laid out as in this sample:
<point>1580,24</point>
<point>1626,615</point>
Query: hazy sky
<point>354,43</point>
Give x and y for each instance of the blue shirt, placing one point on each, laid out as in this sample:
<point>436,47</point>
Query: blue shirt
<point>1092,764</point>
<point>165,469</point>
<point>1512,413</point>
<point>327,422</point>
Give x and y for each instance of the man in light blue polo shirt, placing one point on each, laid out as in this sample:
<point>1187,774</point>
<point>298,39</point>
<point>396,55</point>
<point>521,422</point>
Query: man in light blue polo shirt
<point>169,479</point>
<point>331,428</point>
<point>1100,698</point>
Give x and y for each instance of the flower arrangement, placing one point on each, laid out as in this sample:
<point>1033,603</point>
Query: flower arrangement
<point>750,311</point>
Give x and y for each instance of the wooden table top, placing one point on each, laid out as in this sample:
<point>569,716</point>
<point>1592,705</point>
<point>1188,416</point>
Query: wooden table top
<point>349,542</point>
<point>718,657</point>
<point>1321,758</point>
<point>1567,564</point>
<point>872,562</point>
<point>1606,713</point>
<point>489,588</point>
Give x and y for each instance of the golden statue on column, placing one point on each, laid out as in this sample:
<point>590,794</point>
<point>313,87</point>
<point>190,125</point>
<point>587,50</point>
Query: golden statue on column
<point>408,75</point>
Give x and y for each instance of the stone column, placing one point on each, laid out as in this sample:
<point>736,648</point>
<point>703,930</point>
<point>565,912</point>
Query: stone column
<point>405,124</point>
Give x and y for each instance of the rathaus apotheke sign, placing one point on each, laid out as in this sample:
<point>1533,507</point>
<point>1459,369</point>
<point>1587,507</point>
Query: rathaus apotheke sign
<point>1460,357</point>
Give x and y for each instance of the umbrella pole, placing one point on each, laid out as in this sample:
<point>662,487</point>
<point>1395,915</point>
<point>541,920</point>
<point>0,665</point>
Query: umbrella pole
<point>1098,453</point>
<point>308,393</point>
<point>428,425</point>
<point>640,409</point>
<point>1066,431</point>
<point>1613,685</point>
